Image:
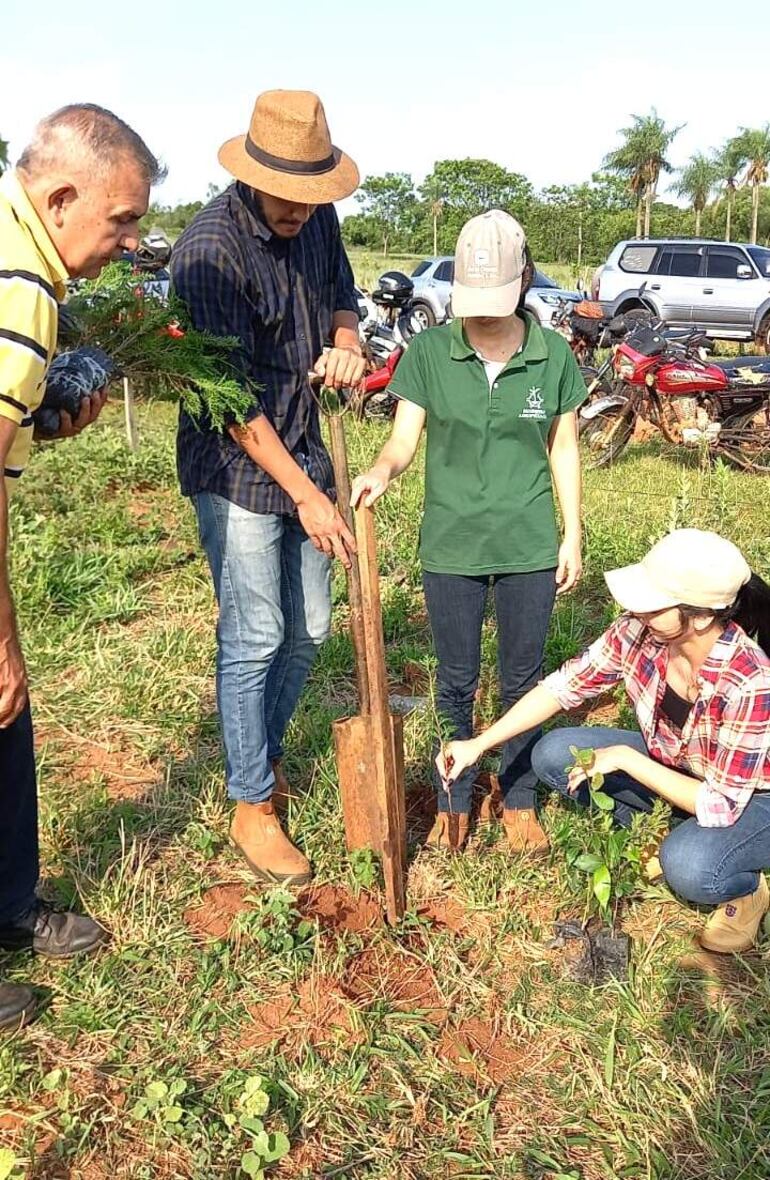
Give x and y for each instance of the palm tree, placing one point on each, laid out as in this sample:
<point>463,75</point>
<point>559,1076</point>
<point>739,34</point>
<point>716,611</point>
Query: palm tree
<point>641,159</point>
<point>752,150</point>
<point>696,182</point>
<point>728,165</point>
<point>431,191</point>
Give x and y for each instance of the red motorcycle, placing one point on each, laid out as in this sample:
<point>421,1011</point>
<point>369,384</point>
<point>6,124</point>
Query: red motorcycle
<point>588,327</point>
<point>720,405</point>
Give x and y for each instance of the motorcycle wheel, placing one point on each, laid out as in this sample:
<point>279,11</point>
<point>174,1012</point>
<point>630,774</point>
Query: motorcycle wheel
<point>603,438</point>
<point>381,407</point>
<point>744,440</point>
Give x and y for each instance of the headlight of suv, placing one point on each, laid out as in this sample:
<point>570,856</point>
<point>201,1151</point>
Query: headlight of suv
<point>554,300</point>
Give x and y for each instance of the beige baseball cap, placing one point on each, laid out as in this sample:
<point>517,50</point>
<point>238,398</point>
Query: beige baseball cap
<point>489,266</point>
<point>688,567</point>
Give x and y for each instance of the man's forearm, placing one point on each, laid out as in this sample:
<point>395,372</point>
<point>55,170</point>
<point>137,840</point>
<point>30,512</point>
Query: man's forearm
<point>7,612</point>
<point>261,443</point>
<point>345,330</point>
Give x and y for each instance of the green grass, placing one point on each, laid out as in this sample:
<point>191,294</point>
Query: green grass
<point>662,1078</point>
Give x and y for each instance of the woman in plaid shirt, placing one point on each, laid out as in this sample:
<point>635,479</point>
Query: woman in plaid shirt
<point>700,685</point>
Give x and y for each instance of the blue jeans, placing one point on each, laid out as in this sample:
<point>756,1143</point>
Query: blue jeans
<point>456,604</point>
<point>273,588</point>
<point>706,866</point>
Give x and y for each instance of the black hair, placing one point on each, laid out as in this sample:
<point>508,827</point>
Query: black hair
<point>751,611</point>
<point>528,277</point>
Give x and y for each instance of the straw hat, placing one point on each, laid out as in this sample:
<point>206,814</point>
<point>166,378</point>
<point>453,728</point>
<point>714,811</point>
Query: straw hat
<point>288,153</point>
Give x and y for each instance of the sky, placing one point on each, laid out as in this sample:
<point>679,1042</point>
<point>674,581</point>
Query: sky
<point>541,88</point>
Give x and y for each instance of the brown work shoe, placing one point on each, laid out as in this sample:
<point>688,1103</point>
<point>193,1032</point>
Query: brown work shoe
<point>734,925</point>
<point>450,830</point>
<point>523,830</point>
<point>283,792</point>
<point>269,853</point>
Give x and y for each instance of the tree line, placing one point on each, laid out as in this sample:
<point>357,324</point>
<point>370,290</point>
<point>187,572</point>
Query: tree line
<point>726,190</point>
<point>578,223</point>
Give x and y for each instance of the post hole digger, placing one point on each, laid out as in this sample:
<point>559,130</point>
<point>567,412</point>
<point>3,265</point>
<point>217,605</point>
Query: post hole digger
<point>368,745</point>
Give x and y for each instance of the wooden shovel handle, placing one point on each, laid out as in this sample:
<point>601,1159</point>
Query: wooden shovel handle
<point>342,481</point>
<point>386,774</point>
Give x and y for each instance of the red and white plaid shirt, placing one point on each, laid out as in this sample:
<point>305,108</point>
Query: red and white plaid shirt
<point>726,738</point>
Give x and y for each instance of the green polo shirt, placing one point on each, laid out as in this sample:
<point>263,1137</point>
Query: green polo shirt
<point>488,495</point>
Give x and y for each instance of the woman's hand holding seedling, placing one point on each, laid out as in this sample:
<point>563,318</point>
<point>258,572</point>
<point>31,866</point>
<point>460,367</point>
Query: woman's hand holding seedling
<point>455,757</point>
<point>592,766</point>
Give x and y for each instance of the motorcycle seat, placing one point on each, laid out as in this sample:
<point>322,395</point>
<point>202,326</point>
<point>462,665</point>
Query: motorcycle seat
<point>754,370</point>
<point>679,333</point>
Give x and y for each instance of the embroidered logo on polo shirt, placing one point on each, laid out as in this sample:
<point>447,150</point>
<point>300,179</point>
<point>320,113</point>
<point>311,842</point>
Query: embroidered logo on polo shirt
<point>533,407</point>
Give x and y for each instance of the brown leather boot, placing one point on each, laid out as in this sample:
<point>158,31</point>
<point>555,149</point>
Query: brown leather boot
<point>491,806</point>
<point>734,925</point>
<point>450,830</point>
<point>523,830</point>
<point>267,850</point>
<point>283,792</point>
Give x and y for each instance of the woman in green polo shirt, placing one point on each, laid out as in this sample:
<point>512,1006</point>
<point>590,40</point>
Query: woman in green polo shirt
<point>498,396</point>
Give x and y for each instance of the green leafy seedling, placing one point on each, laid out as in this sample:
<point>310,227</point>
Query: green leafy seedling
<point>277,927</point>
<point>265,1147</point>
<point>365,867</point>
<point>160,1102</point>
<point>598,865</point>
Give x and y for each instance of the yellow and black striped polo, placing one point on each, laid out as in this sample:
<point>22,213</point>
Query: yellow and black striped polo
<point>32,283</point>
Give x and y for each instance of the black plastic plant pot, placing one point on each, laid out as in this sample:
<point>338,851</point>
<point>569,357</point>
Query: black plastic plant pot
<point>606,951</point>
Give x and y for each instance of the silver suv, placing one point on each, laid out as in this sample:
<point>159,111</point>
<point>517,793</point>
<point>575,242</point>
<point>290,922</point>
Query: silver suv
<point>433,277</point>
<point>721,287</point>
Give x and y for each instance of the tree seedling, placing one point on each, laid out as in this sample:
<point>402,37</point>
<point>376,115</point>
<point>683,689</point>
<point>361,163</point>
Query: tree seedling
<point>277,926</point>
<point>598,866</point>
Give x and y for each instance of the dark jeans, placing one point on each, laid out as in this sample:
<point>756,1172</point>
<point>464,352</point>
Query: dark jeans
<point>19,863</point>
<point>706,866</point>
<point>551,757</point>
<point>523,605</point>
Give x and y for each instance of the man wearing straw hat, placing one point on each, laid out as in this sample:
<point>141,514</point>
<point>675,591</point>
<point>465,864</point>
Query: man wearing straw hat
<point>264,263</point>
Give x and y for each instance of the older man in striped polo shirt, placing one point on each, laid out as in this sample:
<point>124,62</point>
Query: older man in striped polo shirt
<point>72,204</point>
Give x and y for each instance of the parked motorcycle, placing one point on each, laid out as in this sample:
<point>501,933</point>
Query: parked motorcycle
<point>387,340</point>
<point>588,328</point>
<point>720,405</point>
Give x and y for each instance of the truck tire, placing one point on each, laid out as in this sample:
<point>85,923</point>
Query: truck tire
<point>763,334</point>
<point>424,313</point>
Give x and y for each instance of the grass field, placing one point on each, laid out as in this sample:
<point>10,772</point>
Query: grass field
<point>454,1046</point>
<point>369,265</point>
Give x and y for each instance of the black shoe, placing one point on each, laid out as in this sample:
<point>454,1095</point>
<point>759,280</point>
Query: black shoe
<point>17,1006</point>
<point>47,932</point>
